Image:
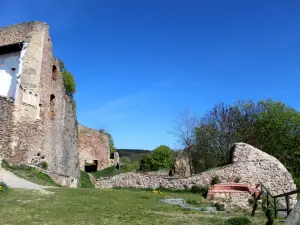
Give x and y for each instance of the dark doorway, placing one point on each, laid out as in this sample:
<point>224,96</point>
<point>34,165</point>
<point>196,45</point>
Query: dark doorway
<point>112,156</point>
<point>91,167</point>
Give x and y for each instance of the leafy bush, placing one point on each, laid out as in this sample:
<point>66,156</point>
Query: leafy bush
<point>112,147</point>
<point>219,206</point>
<point>44,165</point>
<point>69,83</point>
<point>215,180</point>
<point>3,187</point>
<point>160,158</point>
<point>238,221</point>
<point>85,181</point>
<point>130,166</point>
<point>200,190</point>
<point>68,79</point>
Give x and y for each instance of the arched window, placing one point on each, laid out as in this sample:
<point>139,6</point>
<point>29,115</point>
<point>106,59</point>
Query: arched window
<point>52,105</point>
<point>54,72</point>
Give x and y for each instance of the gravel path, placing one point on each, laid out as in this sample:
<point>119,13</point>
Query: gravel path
<point>14,181</point>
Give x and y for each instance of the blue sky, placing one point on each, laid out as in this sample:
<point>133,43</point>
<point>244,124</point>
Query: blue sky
<point>139,63</point>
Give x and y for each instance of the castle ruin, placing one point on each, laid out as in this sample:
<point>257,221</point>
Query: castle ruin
<point>37,118</point>
<point>94,151</point>
<point>38,124</point>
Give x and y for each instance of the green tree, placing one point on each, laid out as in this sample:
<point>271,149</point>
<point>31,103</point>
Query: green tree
<point>129,165</point>
<point>112,147</point>
<point>160,158</point>
<point>69,83</point>
<point>268,125</point>
<point>278,134</point>
<point>68,78</point>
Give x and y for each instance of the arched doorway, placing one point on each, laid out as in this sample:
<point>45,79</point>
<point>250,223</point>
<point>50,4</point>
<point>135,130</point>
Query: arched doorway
<point>91,166</point>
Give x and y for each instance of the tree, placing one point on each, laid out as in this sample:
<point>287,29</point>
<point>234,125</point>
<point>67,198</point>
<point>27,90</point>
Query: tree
<point>268,125</point>
<point>130,165</point>
<point>278,134</point>
<point>184,131</point>
<point>68,78</point>
<point>112,147</point>
<point>160,158</point>
<point>69,83</point>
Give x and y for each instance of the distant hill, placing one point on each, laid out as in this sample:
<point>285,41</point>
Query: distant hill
<point>133,154</point>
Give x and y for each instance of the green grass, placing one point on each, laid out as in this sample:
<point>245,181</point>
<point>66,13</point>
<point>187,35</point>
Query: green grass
<point>107,172</point>
<point>30,174</point>
<point>109,206</point>
<point>85,181</point>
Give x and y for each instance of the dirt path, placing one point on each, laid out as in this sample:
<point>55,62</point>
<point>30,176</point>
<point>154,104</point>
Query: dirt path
<point>14,181</point>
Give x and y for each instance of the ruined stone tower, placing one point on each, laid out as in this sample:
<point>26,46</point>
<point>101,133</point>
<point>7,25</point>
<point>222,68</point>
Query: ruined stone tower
<point>37,118</point>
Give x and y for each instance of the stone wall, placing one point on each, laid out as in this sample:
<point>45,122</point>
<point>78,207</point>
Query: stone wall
<point>181,165</point>
<point>93,145</point>
<point>250,166</point>
<point>46,129</point>
<point>6,110</point>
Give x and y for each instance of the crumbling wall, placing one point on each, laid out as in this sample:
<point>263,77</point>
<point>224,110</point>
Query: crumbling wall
<point>26,131</point>
<point>59,116</point>
<point>250,166</point>
<point>16,33</point>
<point>93,145</point>
<point>6,110</point>
<point>44,118</point>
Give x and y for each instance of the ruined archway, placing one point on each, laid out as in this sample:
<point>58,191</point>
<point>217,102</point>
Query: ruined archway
<point>91,166</point>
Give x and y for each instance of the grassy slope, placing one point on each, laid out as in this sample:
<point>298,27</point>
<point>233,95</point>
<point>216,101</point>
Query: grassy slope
<point>107,172</point>
<point>95,206</point>
<point>31,174</point>
<point>85,181</point>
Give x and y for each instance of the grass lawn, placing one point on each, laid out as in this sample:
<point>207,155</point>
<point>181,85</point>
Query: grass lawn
<point>109,206</point>
<point>31,174</point>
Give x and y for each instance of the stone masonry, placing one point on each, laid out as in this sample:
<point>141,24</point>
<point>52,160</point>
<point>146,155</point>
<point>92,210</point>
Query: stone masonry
<point>37,122</point>
<point>93,145</point>
<point>250,165</point>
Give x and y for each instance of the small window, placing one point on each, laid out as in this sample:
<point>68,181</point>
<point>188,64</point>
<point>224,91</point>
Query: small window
<point>52,106</point>
<point>54,72</point>
<point>52,97</point>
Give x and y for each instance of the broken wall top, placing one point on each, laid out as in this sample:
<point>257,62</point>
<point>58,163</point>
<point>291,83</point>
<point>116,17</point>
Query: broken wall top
<point>20,32</point>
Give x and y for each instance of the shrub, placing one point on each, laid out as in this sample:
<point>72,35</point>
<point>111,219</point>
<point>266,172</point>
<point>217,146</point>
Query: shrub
<point>3,187</point>
<point>219,206</point>
<point>5,164</point>
<point>200,190</point>
<point>69,83</point>
<point>130,166</point>
<point>44,165</point>
<point>160,158</point>
<point>215,180</point>
<point>238,221</point>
